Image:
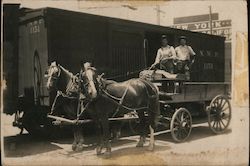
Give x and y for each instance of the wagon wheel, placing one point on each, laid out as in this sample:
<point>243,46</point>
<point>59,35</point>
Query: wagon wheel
<point>181,125</point>
<point>219,114</point>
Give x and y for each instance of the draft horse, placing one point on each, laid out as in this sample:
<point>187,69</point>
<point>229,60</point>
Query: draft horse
<point>109,98</point>
<point>66,100</point>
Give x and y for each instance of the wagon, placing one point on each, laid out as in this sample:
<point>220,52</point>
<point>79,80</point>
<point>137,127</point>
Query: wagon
<point>184,103</point>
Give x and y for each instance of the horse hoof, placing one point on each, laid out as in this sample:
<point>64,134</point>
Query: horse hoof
<point>107,154</point>
<point>74,146</point>
<point>79,148</point>
<point>151,148</point>
<point>98,150</point>
<point>139,145</point>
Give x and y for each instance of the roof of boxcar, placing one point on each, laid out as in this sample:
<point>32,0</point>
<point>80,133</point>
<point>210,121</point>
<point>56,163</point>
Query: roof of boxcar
<point>28,14</point>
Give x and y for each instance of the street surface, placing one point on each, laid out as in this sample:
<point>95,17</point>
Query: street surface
<point>202,148</point>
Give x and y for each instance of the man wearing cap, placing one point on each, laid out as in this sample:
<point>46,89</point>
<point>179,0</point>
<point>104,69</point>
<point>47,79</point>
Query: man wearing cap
<point>165,56</point>
<point>184,55</point>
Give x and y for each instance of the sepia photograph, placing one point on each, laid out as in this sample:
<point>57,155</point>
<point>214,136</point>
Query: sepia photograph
<point>124,82</point>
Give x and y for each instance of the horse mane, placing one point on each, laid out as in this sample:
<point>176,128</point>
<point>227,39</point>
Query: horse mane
<point>66,71</point>
<point>105,82</point>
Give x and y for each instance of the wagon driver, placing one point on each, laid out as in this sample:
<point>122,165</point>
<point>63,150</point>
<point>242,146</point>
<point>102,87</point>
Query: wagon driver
<point>185,56</point>
<point>165,56</point>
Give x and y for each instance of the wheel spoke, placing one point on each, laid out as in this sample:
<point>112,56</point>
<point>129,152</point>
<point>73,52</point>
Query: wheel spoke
<point>214,124</point>
<point>221,100</point>
<point>220,128</point>
<point>225,109</point>
<point>186,130</point>
<point>223,123</point>
<point>226,116</point>
<point>177,134</point>
<point>182,116</point>
<point>176,123</point>
<point>175,129</point>
<point>178,119</point>
<point>214,104</point>
<point>223,105</point>
<point>182,134</point>
<point>212,116</point>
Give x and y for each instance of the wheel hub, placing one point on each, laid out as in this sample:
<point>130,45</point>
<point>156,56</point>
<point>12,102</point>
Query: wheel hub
<point>183,124</point>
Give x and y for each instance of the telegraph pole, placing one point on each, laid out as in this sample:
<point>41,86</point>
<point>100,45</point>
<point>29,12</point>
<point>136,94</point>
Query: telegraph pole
<point>158,14</point>
<point>210,20</point>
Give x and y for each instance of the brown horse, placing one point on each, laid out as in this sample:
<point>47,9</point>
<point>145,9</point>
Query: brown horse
<point>66,101</point>
<point>112,99</point>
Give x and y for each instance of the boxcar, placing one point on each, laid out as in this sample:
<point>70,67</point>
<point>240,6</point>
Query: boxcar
<point>119,48</point>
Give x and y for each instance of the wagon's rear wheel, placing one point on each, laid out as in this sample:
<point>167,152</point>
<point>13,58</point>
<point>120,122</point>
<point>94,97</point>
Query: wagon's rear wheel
<point>181,125</point>
<point>219,114</point>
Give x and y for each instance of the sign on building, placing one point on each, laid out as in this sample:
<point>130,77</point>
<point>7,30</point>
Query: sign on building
<point>201,23</point>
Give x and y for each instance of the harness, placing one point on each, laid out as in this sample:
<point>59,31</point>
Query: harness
<point>119,101</point>
<point>71,86</point>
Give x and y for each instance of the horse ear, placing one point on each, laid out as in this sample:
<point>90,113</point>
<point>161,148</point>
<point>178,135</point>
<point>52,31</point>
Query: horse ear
<point>54,63</point>
<point>93,68</point>
<point>102,75</point>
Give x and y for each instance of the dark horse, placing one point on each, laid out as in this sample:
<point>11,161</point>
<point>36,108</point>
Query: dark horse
<point>111,99</point>
<point>67,98</point>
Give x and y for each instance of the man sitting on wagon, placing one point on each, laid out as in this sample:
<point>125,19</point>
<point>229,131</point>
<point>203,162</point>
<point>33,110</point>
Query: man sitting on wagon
<point>184,57</point>
<point>165,56</point>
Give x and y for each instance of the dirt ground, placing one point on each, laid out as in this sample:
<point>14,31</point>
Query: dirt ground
<point>202,148</point>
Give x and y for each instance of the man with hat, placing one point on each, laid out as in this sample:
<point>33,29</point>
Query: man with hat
<point>185,56</point>
<point>165,56</point>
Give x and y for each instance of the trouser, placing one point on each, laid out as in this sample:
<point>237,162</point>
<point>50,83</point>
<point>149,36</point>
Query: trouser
<point>167,65</point>
<point>182,67</point>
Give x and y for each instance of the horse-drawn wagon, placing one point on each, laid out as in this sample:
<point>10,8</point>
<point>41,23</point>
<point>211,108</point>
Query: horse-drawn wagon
<point>183,103</point>
<point>172,102</point>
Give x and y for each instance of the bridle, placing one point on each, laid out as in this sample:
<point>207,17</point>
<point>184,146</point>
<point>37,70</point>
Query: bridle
<point>52,76</point>
<point>86,82</point>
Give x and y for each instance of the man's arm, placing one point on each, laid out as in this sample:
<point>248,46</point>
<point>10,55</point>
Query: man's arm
<point>192,53</point>
<point>158,57</point>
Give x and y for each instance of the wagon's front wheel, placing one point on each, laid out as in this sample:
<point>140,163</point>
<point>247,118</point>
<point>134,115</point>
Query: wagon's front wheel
<point>219,114</point>
<point>181,125</point>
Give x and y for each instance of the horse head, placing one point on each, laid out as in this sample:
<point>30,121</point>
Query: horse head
<point>89,81</point>
<point>53,73</point>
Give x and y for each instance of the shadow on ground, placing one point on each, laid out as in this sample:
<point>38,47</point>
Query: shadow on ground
<point>25,145</point>
<point>197,133</point>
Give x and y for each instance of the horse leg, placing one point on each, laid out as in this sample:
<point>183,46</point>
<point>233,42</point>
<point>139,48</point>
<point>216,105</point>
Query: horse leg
<point>116,131</point>
<point>152,140</point>
<point>99,137</point>
<point>106,137</point>
<point>74,145</point>
<point>80,139</point>
<point>142,123</point>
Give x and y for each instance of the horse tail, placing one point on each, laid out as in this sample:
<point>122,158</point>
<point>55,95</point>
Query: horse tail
<point>153,103</point>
